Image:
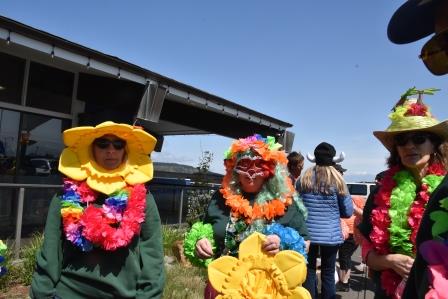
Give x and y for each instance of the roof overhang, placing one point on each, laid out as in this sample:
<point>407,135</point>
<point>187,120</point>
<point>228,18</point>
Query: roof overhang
<point>164,106</point>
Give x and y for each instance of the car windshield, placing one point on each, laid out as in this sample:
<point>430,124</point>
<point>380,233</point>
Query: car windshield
<point>357,189</point>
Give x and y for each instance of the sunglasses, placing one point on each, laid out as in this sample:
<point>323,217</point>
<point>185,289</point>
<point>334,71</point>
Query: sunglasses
<point>434,54</point>
<point>416,139</point>
<point>104,143</point>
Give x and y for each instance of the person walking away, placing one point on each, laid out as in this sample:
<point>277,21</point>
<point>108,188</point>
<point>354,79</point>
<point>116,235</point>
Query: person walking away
<point>326,196</point>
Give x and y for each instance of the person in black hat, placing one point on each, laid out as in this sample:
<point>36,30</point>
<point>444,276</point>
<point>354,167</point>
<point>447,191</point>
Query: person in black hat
<point>417,19</point>
<point>414,20</point>
<point>326,196</point>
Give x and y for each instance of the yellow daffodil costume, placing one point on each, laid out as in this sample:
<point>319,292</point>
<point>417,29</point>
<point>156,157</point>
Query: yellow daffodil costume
<point>78,163</point>
<point>257,275</point>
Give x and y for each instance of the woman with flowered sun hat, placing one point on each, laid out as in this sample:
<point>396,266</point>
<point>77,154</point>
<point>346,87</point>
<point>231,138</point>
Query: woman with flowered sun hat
<point>417,143</point>
<point>256,196</point>
<point>102,236</point>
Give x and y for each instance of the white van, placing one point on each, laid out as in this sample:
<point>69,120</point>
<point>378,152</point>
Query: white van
<point>362,188</point>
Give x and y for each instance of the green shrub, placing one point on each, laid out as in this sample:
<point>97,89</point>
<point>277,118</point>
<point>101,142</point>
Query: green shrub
<point>199,197</point>
<point>21,271</point>
<point>198,200</point>
<point>28,256</point>
<point>11,275</point>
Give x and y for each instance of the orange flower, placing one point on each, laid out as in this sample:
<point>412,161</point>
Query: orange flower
<point>240,206</point>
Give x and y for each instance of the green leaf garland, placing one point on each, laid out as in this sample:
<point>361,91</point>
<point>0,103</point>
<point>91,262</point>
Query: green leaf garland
<point>197,232</point>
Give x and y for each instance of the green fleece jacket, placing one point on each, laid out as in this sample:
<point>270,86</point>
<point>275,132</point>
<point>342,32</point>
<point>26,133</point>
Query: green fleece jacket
<point>64,271</point>
<point>218,216</point>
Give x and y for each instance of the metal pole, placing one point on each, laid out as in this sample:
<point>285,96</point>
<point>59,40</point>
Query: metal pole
<point>181,205</point>
<point>19,222</point>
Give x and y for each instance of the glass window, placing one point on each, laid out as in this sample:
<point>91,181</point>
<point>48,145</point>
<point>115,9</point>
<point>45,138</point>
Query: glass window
<point>9,131</point>
<point>40,146</point>
<point>7,209</point>
<point>11,78</point>
<point>50,88</point>
<point>35,209</point>
<point>357,189</point>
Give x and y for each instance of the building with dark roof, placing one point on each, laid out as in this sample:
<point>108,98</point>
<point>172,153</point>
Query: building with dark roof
<point>49,84</point>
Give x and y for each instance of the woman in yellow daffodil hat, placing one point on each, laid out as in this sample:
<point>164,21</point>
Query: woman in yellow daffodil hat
<point>77,160</point>
<point>103,234</point>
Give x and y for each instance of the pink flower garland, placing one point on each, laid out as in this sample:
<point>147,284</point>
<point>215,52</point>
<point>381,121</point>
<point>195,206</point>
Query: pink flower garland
<point>97,228</point>
<point>381,221</point>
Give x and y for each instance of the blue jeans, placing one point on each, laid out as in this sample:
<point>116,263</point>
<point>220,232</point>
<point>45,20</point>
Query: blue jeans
<point>327,267</point>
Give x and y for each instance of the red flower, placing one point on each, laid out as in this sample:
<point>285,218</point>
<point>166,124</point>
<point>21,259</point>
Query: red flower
<point>96,226</point>
<point>437,169</point>
<point>87,194</point>
<point>416,109</point>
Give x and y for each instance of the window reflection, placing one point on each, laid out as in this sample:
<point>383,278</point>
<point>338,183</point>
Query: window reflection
<point>9,128</point>
<point>40,146</point>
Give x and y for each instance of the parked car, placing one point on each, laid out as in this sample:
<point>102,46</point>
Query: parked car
<point>361,188</point>
<point>43,166</point>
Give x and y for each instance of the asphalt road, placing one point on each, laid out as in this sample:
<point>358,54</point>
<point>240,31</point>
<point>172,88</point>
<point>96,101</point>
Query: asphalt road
<point>361,287</point>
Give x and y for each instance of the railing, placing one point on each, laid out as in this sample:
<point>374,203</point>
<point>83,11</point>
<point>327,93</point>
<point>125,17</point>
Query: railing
<point>21,199</point>
<point>155,186</point>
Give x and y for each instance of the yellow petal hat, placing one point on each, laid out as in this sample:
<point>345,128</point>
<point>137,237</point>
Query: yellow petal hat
<point>255,274</point>
<point>77,160</point>
<point>411,114</point>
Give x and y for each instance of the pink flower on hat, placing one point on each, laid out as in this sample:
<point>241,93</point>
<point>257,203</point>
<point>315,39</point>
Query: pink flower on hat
<point>417,109</point>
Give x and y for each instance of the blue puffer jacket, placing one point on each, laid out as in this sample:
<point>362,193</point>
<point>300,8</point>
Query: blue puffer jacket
<point>324,213</point>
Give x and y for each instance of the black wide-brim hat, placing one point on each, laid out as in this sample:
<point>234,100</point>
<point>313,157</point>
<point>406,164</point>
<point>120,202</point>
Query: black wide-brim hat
<point>412,21</point>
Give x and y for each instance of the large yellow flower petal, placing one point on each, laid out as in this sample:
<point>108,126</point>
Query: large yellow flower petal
<point>293,266</point>
<point>218,271</point>
<point>300,293</point>
<point>70,165</point>
<point>252,245</point>
<point>257,275</point>
<point>106,185</point>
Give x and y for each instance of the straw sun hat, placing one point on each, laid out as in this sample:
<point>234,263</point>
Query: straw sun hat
<point>409,115</point>
<point>77,161</point>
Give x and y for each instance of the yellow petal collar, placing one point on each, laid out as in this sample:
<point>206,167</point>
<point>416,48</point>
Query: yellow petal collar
<point>256,274</point>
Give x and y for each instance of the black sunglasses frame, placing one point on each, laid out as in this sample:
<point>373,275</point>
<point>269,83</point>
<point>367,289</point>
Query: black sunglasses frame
<point>415,138</point>
<point>103,143</point>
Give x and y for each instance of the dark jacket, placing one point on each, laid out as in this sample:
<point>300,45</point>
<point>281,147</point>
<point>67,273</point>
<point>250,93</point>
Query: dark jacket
<point>136,271</point>
<point>218,215</point>
<point>417,283</point>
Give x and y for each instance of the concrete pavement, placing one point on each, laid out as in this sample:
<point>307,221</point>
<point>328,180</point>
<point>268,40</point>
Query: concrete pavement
<point>361,287</point>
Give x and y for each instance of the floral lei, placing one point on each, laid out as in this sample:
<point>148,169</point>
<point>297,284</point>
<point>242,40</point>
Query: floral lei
<point>268,150</point>
<point>241,207</point>
<point>398,213</point>
<point>110,227</point>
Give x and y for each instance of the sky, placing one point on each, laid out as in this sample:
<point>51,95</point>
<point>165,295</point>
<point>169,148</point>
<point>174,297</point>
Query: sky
<point>326,67</point>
